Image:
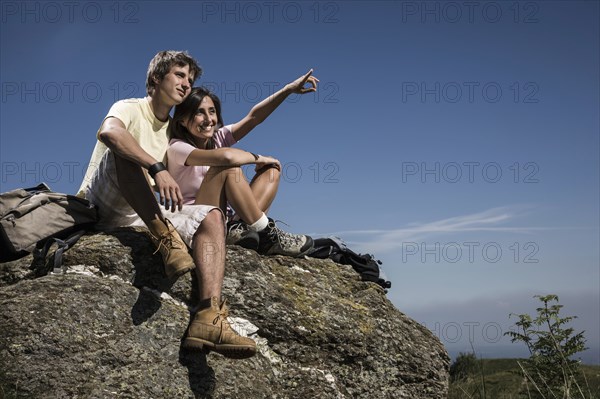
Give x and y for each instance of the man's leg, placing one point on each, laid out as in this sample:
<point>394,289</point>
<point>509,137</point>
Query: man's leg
<point>136,190</point>
<point>210,329</point>
<point>209,255</point>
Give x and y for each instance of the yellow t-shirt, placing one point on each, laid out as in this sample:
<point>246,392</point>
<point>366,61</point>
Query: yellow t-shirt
<point>139,120</point>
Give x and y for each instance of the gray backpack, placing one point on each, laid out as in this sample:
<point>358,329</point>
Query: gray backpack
<point>31,217</point>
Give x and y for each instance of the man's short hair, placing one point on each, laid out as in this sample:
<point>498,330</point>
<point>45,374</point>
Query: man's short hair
<point>162,63</point>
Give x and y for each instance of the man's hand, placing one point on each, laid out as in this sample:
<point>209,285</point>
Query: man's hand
<point>170,194</point>
<point>297,86</point>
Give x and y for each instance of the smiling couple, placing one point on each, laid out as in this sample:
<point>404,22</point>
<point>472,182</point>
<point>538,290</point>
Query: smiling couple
<point>203,187</point>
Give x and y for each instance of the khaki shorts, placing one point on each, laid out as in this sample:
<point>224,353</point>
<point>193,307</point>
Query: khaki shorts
<point>114,210</point>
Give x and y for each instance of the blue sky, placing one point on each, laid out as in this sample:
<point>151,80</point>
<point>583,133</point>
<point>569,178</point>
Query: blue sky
<point>457,141</point>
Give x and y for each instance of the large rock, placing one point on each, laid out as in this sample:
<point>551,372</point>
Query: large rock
<point>112,327</point>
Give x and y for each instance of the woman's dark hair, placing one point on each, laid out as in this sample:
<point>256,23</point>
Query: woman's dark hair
<point>186,111</point>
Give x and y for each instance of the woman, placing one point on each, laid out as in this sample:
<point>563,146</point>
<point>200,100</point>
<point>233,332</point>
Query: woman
<point>208,170</point>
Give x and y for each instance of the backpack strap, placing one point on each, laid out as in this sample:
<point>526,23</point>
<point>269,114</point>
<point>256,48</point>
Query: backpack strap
<point>323,248</point>
<point>63,245</point>
<point>337,250</point>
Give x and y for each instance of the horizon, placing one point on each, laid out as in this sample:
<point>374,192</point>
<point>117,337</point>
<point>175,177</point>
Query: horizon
<point>456,142</point>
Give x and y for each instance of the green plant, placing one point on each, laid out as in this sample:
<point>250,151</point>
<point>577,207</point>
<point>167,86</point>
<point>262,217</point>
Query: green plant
<point>550,368</point>
<point>464,366</point>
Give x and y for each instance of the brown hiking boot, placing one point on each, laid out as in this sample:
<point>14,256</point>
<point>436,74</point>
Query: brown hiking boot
<point>210,330</point>
<point>174,252</point>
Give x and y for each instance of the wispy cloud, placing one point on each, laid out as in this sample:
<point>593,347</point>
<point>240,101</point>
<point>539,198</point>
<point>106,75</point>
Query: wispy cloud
<point>491,220</point>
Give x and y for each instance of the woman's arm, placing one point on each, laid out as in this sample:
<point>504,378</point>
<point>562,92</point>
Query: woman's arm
<point>228,156</point>
<point>262,110</point>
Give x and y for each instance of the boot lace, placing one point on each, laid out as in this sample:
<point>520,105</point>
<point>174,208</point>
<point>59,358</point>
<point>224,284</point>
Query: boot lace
<point>167,240</point>
<point>237,227</point>
<point>284,238</point>
<point>221,318</point>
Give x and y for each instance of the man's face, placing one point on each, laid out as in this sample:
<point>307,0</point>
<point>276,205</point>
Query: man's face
<point>176,85</point>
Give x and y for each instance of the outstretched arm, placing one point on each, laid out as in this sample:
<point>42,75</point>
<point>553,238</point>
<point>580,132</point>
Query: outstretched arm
<point>262,110</point>
<point>116,137</point>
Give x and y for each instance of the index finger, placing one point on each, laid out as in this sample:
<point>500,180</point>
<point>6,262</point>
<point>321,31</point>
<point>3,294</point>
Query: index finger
<point>307,75</point>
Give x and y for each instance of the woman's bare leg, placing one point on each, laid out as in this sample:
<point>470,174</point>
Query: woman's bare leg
<point>230,183</point>
<point>264,186</point>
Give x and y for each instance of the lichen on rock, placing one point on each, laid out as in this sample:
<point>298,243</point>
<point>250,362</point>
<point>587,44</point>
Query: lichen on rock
<point>112,326</point>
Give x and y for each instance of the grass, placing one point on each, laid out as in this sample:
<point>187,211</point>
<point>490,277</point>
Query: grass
<point>503,379</point>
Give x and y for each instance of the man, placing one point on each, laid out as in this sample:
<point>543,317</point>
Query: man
<point>132,144</point>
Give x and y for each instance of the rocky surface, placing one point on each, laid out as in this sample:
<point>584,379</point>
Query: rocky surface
<point>112,325</point>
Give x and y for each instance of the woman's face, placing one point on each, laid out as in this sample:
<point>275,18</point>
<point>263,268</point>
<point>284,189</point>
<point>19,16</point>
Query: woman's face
<point>202,125</point>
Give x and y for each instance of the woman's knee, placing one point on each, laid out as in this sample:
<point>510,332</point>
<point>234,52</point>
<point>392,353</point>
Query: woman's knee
<point>275,174</point>
<point>271,173</point>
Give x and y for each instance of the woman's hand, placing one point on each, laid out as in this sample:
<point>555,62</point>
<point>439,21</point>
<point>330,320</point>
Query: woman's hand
<point>297,86</point>
<point>264,161</point>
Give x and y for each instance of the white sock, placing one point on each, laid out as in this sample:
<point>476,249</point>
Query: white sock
<point>260,224</point>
